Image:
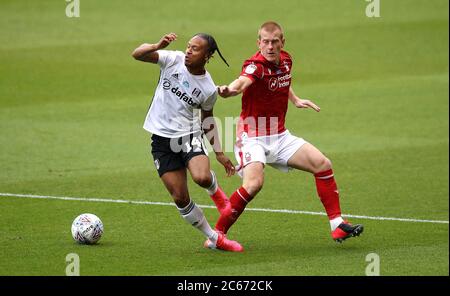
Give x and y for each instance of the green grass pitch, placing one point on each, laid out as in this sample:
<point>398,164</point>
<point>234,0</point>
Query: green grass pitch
<point>73,101</point>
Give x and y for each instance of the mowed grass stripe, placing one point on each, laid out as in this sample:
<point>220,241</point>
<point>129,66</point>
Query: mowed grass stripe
<point>287,211</point>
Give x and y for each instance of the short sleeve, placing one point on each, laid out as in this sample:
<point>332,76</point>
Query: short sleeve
<point>166,58</point>
<point>208,104</point>
<point>252,70</point>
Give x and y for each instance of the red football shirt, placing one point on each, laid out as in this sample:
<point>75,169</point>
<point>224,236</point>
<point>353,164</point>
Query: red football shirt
<point>265,102</point>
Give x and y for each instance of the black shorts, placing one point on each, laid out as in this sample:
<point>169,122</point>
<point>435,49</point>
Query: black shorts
<point>171,154</point>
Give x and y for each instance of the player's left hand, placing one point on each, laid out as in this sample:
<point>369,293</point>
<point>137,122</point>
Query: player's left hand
<point>306,104</point>
<point>226,162</point>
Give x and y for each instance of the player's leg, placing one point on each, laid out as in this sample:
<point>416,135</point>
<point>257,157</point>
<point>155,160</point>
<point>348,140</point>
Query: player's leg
<point>253,180</point>
<point>172,171</point>
<point>309,158</point>
<point>251,158</point>
<point>201,174</point>
<point>176,184</point>
<point>199,168</point>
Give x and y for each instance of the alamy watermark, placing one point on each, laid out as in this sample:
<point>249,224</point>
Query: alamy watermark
<point>216,131</point>
<point>73,266</point>
<point>373,268</point>
<point>373,8</point>
<point>73,8</point>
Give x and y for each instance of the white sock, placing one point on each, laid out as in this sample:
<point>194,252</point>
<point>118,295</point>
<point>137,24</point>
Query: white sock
<point>194,216</point>
<point>213,188</point>
<point>334,223</point>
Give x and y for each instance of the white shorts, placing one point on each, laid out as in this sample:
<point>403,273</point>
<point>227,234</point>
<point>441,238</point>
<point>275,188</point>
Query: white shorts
<point>273,150</point>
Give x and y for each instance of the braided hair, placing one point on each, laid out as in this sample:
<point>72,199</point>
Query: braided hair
<point>212,45</point>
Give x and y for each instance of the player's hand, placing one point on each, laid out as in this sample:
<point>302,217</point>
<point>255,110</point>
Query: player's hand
<point>226,162</point>
<point>166,40</point>
<point>306,104</point>
<point>224,91</point>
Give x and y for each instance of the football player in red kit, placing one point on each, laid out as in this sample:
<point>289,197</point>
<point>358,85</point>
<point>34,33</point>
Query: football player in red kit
<point>262,137</point>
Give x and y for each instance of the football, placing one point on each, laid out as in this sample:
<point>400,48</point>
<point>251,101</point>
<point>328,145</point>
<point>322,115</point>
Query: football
<point>87,229</point>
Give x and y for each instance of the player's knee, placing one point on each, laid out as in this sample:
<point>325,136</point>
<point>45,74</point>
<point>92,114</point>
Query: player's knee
<point>203,180</point>
<point>327,164</point>
<point>254,186</point>
<point>323,164</point>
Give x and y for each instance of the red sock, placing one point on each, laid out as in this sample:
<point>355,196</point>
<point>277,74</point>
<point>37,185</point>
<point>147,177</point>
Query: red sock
<point>220,199</point>
<point>238,200</point>
<point>328,193</point>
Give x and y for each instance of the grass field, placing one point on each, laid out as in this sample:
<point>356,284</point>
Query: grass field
<point>73,101</point>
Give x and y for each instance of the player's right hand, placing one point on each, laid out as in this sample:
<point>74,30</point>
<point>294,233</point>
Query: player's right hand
<point>227,164</point>
<point>166,40</point>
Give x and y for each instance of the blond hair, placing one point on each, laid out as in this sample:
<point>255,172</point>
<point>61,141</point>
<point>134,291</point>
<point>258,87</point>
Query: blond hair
<point>270,26</point>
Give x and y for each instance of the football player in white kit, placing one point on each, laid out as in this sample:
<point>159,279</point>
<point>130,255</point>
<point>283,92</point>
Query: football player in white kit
<point>184,90</point>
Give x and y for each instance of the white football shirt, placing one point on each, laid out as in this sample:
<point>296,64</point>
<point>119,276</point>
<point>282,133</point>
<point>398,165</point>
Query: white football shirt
<point>179,96</point>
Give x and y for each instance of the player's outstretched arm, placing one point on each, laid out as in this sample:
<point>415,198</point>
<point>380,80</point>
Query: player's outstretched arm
<point>210,129</point>
<point>148,52</point>
<point>299,103</point>
<point>235,88</point>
